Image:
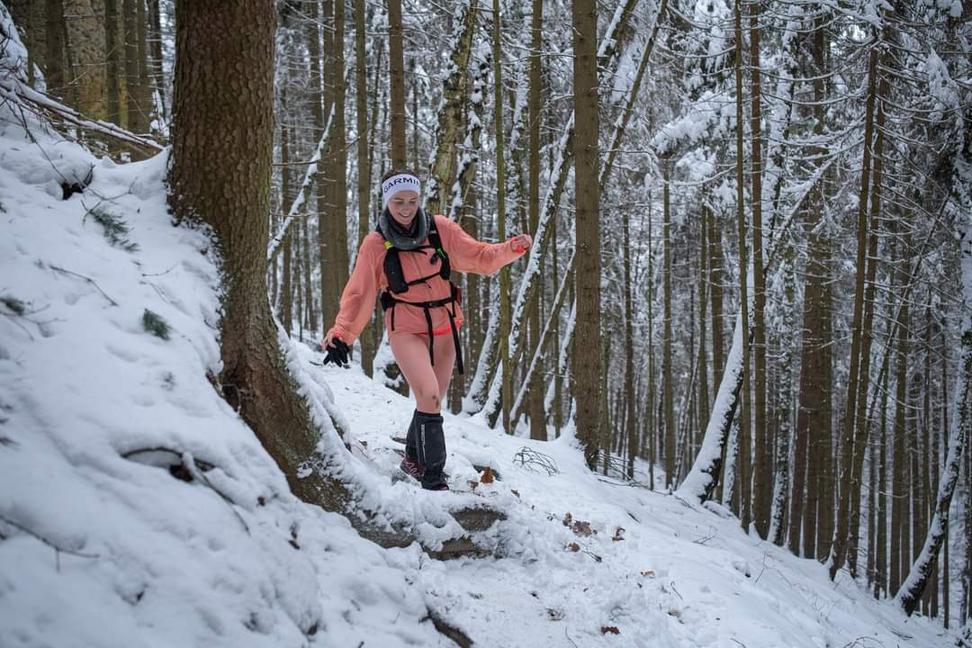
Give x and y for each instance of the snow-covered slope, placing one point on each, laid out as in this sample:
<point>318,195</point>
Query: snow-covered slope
<point>102,545</point>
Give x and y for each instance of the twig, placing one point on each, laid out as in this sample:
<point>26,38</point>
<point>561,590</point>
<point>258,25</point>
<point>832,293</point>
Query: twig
<point>49,543</point>
<point>568,638</point>
<point>159,274</point>
<point>88,279</point>
<point>713,532</point>
<point>190,464</point>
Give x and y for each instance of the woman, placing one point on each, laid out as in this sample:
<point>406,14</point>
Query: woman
<point>409,258</point>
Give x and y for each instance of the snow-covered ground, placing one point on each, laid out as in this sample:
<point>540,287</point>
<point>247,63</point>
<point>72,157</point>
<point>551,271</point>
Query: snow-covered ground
<point>102,545</point>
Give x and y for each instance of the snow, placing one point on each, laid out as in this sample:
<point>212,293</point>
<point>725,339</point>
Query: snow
<point>101,546</point>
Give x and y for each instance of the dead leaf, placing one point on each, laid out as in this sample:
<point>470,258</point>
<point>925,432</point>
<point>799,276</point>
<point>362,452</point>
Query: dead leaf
<point>582,528</point>
<point>487,476</point>
<point>618,534</point>
<point>515,492</point>
<point>568,518</point>
<point>573,546</point>
<point>611,629</point>
<point>648,573</point>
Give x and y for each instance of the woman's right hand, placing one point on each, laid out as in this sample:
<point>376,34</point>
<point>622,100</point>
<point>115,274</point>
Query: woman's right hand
<point>521,243</point>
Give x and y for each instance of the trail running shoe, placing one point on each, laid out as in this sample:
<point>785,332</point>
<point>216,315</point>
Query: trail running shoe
<point>412,468</point>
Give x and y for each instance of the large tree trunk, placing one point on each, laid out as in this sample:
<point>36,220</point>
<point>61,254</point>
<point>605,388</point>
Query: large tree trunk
<point>86,48</point>
<point>234,199</point>
<point>586,365</point>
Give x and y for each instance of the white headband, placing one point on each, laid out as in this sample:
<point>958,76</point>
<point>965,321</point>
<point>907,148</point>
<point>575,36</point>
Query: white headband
<point>396,183</point>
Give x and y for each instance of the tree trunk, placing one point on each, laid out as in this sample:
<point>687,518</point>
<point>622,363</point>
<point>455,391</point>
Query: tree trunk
<point>54,57</point>
<point>136,112</point>
<point>363,165</point>
<point>586,365</point>
<point>86,50</point>
<point>742,463</point>
<point>668,388</point>
<point>334,212</point>
<point>113,57</point>
<point>234,199</point>
<point>838,551</point>
<point>155,45</point>
<point>450,126</point>
<point>538,427</point>
<point>396,81</point>
<point>504,275</point>
<point>911,590</point>
<point>762,488</point>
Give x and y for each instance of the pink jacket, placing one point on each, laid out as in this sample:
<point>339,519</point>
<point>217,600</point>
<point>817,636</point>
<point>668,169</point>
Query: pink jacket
<point>466,254</point>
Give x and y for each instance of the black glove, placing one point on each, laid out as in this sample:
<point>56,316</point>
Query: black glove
<point>338,353</point>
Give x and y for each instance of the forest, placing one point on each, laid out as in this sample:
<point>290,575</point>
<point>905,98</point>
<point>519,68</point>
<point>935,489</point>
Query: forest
<point>751,277</point>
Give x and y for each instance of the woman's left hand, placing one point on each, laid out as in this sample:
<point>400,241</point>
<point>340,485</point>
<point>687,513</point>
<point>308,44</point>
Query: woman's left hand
<point>521,243</point>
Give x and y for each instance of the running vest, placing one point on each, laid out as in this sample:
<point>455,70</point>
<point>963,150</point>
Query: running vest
<point>397,285</point>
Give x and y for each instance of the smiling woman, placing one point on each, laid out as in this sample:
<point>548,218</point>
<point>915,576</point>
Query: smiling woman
<point>409,258</point>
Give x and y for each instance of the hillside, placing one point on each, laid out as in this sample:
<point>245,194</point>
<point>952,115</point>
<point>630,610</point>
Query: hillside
<point>137,510</point>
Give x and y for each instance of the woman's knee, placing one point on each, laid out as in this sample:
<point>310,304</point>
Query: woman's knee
<point>427,398</point>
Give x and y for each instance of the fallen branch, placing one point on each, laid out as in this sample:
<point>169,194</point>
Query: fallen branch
<point>46,106</point>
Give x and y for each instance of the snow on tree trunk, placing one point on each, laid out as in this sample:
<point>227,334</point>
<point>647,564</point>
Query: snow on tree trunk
<point>909,594</point>
<point>704,475</point>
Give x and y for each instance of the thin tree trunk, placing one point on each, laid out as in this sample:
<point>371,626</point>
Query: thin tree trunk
<point>586,365</point>
<point>742,462</point>
<point>839,545</point>
<point>538,428</point>
<point>910,593</point>
<point>668,388</point>
<point>363,167</point>
<point>136,120</point>
<point>113,58</point>
<point>55,31</point>
<point>396,81</point>
<point>629,390</point>
<point>334,211</point>
<point>286,287</point>
<point>454,94</point>
<point>762,485</point>
<point>862,425</point>
<point>155,44</point>
<point>504,275</point>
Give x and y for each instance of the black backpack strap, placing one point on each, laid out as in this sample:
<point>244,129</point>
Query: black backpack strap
<point>445,270</point>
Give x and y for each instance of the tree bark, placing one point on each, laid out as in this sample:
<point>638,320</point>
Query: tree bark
<point>668,388</point>
<point>449,126</point>
<point>839,545</point>
<point>396,80</point>
<point>234,199</point>
<point>86,51</point>
<point>743,458</point>
<point>586,365</point>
